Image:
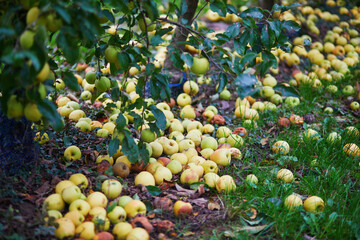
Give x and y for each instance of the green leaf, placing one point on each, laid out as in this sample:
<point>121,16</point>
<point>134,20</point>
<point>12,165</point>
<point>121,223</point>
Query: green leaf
<point>247,59</point>
<point>49,111</point>
<point>276,27</point>
<point>108,15</point>
<point>156,40</point>
<point>154,190</point>
<point>187,58</point>
<point>233,30</point>
<point>218,7</point>
<point>111,206</point>
<point>222,81</point>
<point>129,147</point>
<point>245,83</point>
<point>124,60</point>
<point>286,91</point>
<point>63,13</point>
<point>254,12</point>
<point>71,81</point>
<point>113,146</point>
<point>160,117</point>
<point>120,122</point>
<point>290,25</point>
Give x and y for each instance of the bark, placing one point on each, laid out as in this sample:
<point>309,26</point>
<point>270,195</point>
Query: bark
<point>180,35</point>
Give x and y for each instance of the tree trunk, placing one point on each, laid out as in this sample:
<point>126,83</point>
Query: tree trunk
<point>180,35</point>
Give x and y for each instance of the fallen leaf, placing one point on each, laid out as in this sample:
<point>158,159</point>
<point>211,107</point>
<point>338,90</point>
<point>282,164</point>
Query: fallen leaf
<point>214,206</point>
<point>251,229</point>
<point>264,141</point>
<point>252,223</point>
<point>201,202</point>
<point>44,189</point>
<point>254,211</point>
<point>271,129</point>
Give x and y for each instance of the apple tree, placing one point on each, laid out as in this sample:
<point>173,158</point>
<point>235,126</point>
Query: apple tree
<point>43,41</point>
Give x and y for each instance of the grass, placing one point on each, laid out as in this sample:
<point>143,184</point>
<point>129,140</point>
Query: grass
<point>334,177</point>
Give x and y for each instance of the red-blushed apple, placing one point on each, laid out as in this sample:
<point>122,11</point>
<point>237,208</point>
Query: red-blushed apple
<point>211,179</point>
<point>252,178</point>
<point>117,215</point>
<point>189,176</point>
<point>65,228</point>
<point>164,161</point>
<point>75,216</point>
<point>54,202</point>
<point>161,174</point>
<point>123,200</point>
<point>135,207</point>
<point>137,234</point>
<point>225,184</point>
<point>121,230</point>
<point>221,157</point>
<point>103,236</point>
<point>314,204</point>
<point>145,178</point>
<point>81,206</point>
<point>174,166</point>
<point>180,157</point>
<point>97,199</point>
<point>293,201</point>
<point>197,168</point>
<point>86,230</point>
<point>210,167</point>
<point>285,175</point>
<point>111,188</point>
<point>281,147</point>
<point>79,180</point>
<point>71,194</point>
<point>72,153</point>
<point>181,208</point>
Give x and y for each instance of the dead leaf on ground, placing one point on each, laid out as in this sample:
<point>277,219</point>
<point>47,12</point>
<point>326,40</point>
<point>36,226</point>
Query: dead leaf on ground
<point>271,129</point>
<point>251,229</point>
<point>201,202</point>
<point>264,141</point>
<point>214,206</point>
<point>44,189</point>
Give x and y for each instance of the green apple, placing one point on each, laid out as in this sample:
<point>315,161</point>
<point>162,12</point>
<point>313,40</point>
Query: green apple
<point>71,193</point>
<point>54,202</point>
<point>60,186</point>
<point>65,228</point>
<point>86,95</point>
<point>225,94</point>
<point>147,135</point>
<point>209,142</point>
<point>111,188</point>
<point>223,132</point>
<point>211,179</point>
<point>269,81</point>
<point>185,144</point>
<point>145,178</point>
<point>311,134</point>
<point>83,126</point>
<point>15,107</point>
<point>72,153</point>
<point>348,90</point>
<point>111,54</point>
<point>292,101</point>
<point>103,133</point>
<point>90,77</point>
<point>200,65</point>
<point>174,166</point>
<point>221,157</point>
<point>86,230</point>
<point>267,92</point>
<point>276,99</point>
<point>103,84</point>
<point>32,113</point>
<point>135,207</point>
<point>76,115</point>
<point>81,206</point>
<point>27,39</point>
<point>59,84</point>
<point>157,149</point>
<point>121,230</point>
<point>206,152</point>
<point>97,199</point>
<point>354,105</point>
<point>117,215</point>
<point>147,25</point>
<point>225,184</point>
<point>331,89</point>
<point>252,178</point>
<point>65,111</point>
<point>235,140</point>
<point>123,200</point>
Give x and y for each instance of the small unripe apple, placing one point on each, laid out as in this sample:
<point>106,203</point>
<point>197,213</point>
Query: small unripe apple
<point>252,178</point>
<point>200,65</point>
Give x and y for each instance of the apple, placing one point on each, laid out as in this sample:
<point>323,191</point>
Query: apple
<point>200,65</point>
<point>269,81</point>
<point>147,135</point>
<point>90,77</point>
<point>121,169</point>
<point>333,137</point>
<point>103,133</point>
<point>54,202</point>
<point>65,228</point>
<point>190,152</point>
<point>98,199</point>
<point>225,94</point>
<point>276,99</point>
<point>117,215</point>
<point>32,113</point>
<point>211,179</point>
<point>103,84</point>
<point>355,106</point>
<point>258,106</point>
<point>76,115</point>
<point>281,147</point>
<point>185,144</point>
<point>182,208</point>
<point>71,193</point>
<point>348,90</point>
<point>161,174</point>
<point>103,236</point>
<point>198,160</point>
<point>180,157</point>
<point>146,25</point>
<point>86,95</point>
<point>209,142</point>
<point>138,233</point>
<point>145,178</point>
<point>183,99</point>
<point>252,178</point>
<point>72,153</point>
<point>212,108</point>
<point>111,54</point>
<point>62,185</point>
<point>101,158</point>
<point>157,149</point>
<point>76,217</point>
<point>221,157</point>
<point>176,127</point>
<point>170,147</point>
<point>15,107</point>
<point>195,137</point>
<point>81,206</point>
<point>55,214</point>
<point>27,39</point>
<point>331,89</point>
<point>314,204</point>
<point>135,207</point>
<point>121,230</point>
<point>86,230</point>
<point>194,125</point>
<point>189,176</point>
<point>97,211</point>
<point>174,166</point>
<point>351,131</point>
<point>225,184</point>
<point>293,201</point>
<point>210,167</point>
<point>123,200</point>
<point>351,149</point>
<point>197,168</point>
<point>267,92</point>
<point>285,175</point>
<point>191,88</point>
<point>223,132</point>
<point>83,126</point>
<point>43,74</point>
<point>187,112</point>
<point>235,140</point>
<point>311,134</point>
<point>151,168</point>
<point>111,188</point>
<point>292,101</point>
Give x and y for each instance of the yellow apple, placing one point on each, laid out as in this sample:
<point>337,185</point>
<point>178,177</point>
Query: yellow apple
<point>135,207</point>
<point>86,230</point>
<point>81,206</point>
<point>97,199</point>
<point>111,188</point>
<point>293,201</point>
<point>182,208</point>
<point>54,202</point>
<point>75,216</point>
<point>145,178</point>
<point>225,184</point>
<point>121,230</point>
<point>65,229</point>
<point>314,204</point>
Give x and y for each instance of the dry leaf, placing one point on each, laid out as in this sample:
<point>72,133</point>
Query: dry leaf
<point>264,141</point>
<point>201,202</point>
<point>251,229</point>
<point>271,129</point>
<point>214,206</point>
<point>254,211</point>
